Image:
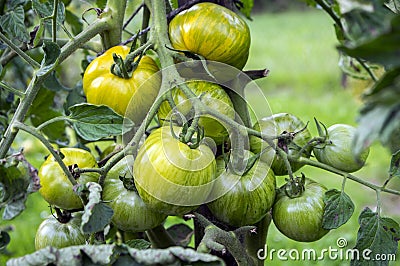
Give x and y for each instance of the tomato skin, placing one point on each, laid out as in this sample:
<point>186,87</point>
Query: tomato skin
<point>59,235</point>
<point>249,196</point>
<point>300,218</point>
<point>125,96</point>
<point>214,96</point>
<point>130,212</point>
<point>171,177</point>
<point>273,126</point>
<point>337,152</point>
<point>212,31</point>
<point>56,189</point>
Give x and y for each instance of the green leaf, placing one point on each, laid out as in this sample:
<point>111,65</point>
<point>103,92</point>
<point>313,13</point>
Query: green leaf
<point>101,3</point>
<point>181,234</point>
<point>74,22</point>
<point>338,209</point>
<point>13,190</point>
<point>378,234</point>
<point>42,110</point>
<point>93,122</point>
<point>96,213</point>
<point>13,24</point>
<point>110,254</point>
<point>394,170</point>
<point>138,244</point>
<point>382,49</point>
<point>45,10</point>
<point>346,6</point>
<point>246,8</point>
<point>75,96</point>
<point>52,83</point>
<point>394,5</point>
<point>12,4</point>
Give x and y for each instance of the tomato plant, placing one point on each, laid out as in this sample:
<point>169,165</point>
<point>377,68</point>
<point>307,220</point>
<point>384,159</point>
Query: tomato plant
<point>336,149</point>
<point>52,232</point>
<point>187,32</point>
<point>214,97</point>
<point>130,212</point>
<point>124,94</point>
<point>128,52</point>
<point>170,176</point>
<point>55,188</point>
<point>299,215</point>
<point>243,199</point>
<point>294,135</point>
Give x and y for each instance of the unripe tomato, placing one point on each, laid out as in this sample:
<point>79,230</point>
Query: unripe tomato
<point>130,212</point>
<point>59,235</point>
<point>337,149</point>
<point>56,189</point>
<point>212,31</point>
<point>102,87</point>
<point>171,177</point>
<point>275,125</point>
<point>300,218</point>
<point>214,97</point>
<point>247,198</point>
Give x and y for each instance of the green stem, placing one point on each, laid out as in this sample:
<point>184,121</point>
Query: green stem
<point>256,241</point>
<point>34,132</point>
<point>159,237</point>
<point>145,23</point>
<point>51,121</point>
<point>345,174</point>
<point>378,201</point>
<point>54,21</point>
<point>114,34</point>
<point>368,69</point>
<point>344,183</point>
<point>19,93</point>
<point>325,6</point>
<point>18,50</point>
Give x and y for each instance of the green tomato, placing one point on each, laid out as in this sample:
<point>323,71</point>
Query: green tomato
<point>300,218</point>
<point>59,235</point>
<point>55,188</point>
<point>337,150</point>
<point>171,177</point>
<point>130,97</point>
<point>214,97</point>
<point>276,125</point>
<point>245,199</point>
<point>212,31</point>
<point>130,212</point>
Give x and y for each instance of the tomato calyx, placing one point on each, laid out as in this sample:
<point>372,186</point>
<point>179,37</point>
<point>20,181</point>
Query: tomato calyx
<point>125,68</point>
<point>188,132</point>
<point>128,182</point>
<point>63,216</point>
<point>295,187</point>
<point>323,138</point>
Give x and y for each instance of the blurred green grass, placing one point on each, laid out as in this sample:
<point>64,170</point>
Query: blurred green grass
<point>299,50</point>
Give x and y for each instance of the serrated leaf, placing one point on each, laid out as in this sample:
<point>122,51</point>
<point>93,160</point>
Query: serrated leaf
<point>378,234</point>
<point>52,83</point>
<point>394,5</point>
<point>138,243</point>
<point>13,23</point>
<point>93,122</point>
<point>181,234</point>
<point>96,213</point>
<point>394,170</point>
<point>11,4</point>
<point>45,10</point>
<point>51,53</point>
<point>338,209</point>
<point>108,254</point>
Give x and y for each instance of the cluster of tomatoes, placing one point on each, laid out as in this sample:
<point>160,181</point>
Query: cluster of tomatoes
<point>173,174</point>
